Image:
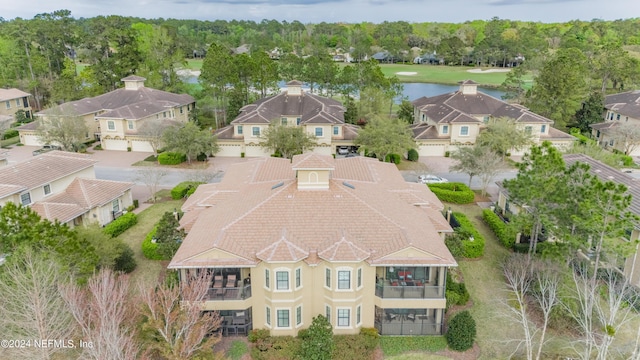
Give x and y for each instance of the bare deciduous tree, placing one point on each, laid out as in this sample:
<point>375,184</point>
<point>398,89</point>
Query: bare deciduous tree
<point>151,178</point>
<point>63,127</point>
<point>628,135</point>
<point>106,316</point>
<point>174,315</point>
<point>547,286</point>
<point>32,307</point>
<point>153,130</point>
<point>519,279</point>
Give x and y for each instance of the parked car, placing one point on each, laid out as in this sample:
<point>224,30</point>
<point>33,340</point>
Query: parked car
<point>351,155</point>
<point>44,149</point>
<point>343,150</point>
<point>431,179</point>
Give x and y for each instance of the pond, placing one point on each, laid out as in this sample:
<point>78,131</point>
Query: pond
<point>412,91</point>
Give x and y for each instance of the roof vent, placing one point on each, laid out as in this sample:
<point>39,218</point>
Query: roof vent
<point>277,185</point>
<point>348,185</point>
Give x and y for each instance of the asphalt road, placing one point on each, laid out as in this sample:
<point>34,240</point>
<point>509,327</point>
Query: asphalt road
<point>171,178</point>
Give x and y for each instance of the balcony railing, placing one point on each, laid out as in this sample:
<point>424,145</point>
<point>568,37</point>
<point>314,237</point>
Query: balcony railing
<point>409,292</point>
<point>406,327</point>
<point>229,293</point>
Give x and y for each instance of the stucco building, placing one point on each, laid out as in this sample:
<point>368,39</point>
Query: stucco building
<point>346,238</point>
<point>117,118</point>
<point>622,108</point>
<point>444,122</point>
<point>62,186</point>
<point>319,116</point>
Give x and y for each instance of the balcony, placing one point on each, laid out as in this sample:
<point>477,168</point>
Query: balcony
<point>408,321</point>
<point>410,290</point>
<point>229,293</point>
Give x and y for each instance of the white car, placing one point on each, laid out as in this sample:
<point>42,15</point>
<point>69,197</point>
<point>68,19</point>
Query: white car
<point>343,150</point>
<point>431,179</point>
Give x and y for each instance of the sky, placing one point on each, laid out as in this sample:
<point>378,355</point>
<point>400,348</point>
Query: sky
<point>348,11</point>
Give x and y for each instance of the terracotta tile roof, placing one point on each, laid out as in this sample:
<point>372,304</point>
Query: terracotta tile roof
<point>282,250</point>
<point>44,168</point>
<point>312,161</point>
<point>343,250</point>
<point>388,215</point>
<point>79,197</point>
<point>58,211</point>
<point>309,107</point>
<point>8,189</point>
<point>10,94</point>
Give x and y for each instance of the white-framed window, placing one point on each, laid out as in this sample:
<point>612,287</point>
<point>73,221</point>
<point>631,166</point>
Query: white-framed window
<point>336,130</point>
<point>344,279</point>
<point>8,104</point>
<point>267,280</point>
<point>327,313</point>
<point>298,278</point>
<point>485,119</point>
<point>358,315</point>
<point>298,315</point>
<point>445,129</point>
<point>344,317</point>
<point>47,189</point>
<point>268,315</point>
<point>111,125</point>
<point>283,318</point>
<point>25,198</point>
<point>318,132</point>
<point>543,128</point>
<point>464,130</point>
<point>327,278</point>
<point>528,130</point>
<point>617,116</point>
<point>255,131</point>
<point>116,205</point>
<point>283,121</point>
<point>298,121</point>
<point>239,129</point>
<point>423,117</point>
<point>359,278</point>
<point>611,142</point>
<point>130,124</point>
<point>18,104</point>
<point>282,280</point>
<point>181,109</point>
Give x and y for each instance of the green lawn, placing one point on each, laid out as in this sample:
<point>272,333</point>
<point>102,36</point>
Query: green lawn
<point>440,74</point>
<point>147,271</point>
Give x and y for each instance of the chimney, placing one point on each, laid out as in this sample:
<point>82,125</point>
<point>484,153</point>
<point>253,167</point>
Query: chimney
<point>294,88</point>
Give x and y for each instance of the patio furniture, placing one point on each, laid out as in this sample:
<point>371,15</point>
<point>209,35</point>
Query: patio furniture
<point>231,281</point>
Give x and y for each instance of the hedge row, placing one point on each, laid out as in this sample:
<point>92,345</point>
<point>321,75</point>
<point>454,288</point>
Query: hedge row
<point>413,155</point>
<point>171,158</point>
<point>393,158</point>
<point>121,224</point>
<point>505,234</point>
<point>149,248</point>
<point>456,293</point>
<point>183,189</point>
<point>457,193</point>
<point>471,249</point>
<point>11,133</point>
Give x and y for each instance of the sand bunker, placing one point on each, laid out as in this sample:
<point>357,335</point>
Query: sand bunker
<point>407,73</point>
<point>488,70</point>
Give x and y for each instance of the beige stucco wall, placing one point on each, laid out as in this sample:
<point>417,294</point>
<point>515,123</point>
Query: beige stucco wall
<point>314,296</point>
<point>474,129</point>
<point>14,105</point>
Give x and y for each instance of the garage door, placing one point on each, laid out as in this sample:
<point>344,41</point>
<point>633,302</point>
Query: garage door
<point>141,146</point>
<point>30,140</point>
<point>256,151</point>
<point>229,150</point>
<point>431,149</point>
<point>114,144</point>
<point>323,150</point>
